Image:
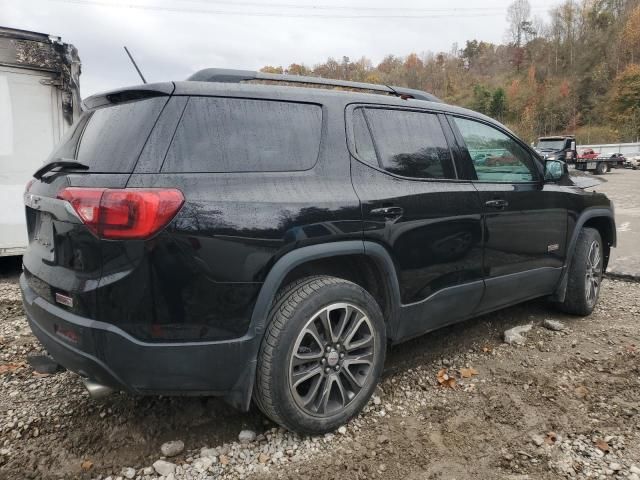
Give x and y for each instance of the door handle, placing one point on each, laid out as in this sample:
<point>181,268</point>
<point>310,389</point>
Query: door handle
<point>497,203</point>
<point>387,212</point>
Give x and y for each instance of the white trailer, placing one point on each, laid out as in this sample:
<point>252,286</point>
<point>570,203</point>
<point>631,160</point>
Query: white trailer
<point>39,101</point>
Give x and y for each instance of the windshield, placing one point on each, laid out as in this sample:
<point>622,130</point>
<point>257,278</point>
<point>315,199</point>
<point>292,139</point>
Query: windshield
<point>550,145</point>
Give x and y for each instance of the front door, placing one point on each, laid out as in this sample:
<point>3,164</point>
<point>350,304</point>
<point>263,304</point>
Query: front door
<point>414,205</point>
<point>525,221</point>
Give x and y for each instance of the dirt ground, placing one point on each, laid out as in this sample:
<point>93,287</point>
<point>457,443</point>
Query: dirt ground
<point>564,404</point>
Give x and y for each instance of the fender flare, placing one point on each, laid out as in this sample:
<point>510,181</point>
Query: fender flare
<point>586,215</point>
<point>301,255</point>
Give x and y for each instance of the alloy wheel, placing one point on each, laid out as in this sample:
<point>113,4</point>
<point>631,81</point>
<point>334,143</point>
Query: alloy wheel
<point>332,359</point>
<point>593,275</point>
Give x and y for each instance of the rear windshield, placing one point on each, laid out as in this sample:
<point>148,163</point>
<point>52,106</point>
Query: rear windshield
<point>110,139</point>
<point>244,135</point>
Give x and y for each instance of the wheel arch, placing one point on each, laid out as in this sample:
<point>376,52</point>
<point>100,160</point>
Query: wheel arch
<point>603,220</point>
<point>365,263</point>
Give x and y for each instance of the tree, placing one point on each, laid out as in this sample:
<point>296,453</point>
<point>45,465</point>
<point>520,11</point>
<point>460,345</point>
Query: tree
<point>270,69</point>
<point>498,104</point>
<point>481,99</point>
<point>625,100</point>
<point>631,34</point>
<point>520,24</point>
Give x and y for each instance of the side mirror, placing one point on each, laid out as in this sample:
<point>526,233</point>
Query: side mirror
<point>573,145</point>
<point>554,170</point>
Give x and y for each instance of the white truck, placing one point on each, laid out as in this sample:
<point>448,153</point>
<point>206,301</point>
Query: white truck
<point>39,101</point>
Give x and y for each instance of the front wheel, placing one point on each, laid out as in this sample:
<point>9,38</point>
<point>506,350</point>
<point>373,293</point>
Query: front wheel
<point>585,274</point>
<point>322,355</point>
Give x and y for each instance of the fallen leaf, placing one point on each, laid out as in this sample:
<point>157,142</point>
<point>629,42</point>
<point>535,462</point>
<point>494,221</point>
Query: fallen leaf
<point>602,445</point>
<point>551,438</point>
<point>11,367</point>
<point>468,372</point>
<point>445,380</point>
<point>37,374</point>
<point>224,460</point>
<point>581,391</point>
<point>263,458</point>
<point>487,349</point>
<point>86,465</point>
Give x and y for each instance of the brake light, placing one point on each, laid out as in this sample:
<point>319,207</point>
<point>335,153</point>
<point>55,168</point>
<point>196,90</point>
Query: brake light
<point>128,213</point>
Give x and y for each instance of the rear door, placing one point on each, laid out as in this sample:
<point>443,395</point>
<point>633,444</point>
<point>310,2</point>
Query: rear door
<point>416,207</point>
<point>525,220</point>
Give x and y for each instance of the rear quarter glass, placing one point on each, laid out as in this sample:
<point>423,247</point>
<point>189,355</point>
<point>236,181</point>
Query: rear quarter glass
<point>218,135</point>
<point>110,139</point>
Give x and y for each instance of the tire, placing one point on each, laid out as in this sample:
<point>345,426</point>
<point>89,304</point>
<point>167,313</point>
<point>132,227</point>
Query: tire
<point>585,279</point>
<point>292,390</point>
<point>601,168</point>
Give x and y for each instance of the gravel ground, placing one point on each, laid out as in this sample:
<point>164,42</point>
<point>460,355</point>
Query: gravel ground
<point>457,403</point>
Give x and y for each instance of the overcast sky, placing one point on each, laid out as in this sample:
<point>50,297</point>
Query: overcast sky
<point>172,39</point>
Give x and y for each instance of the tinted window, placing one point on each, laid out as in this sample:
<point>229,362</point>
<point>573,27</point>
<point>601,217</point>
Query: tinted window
<point>239,135</point>
<point>115,135</point>
<point>411,143</point>
<point>362,138</point>
<point>496,156</point>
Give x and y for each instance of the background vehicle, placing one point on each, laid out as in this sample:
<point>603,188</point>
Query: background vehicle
<point>588,154</point>
<point>257,241</point>
<point>39,100</point>
<point>559,147</point>
<point>633,162</point>
<point>598,163</point>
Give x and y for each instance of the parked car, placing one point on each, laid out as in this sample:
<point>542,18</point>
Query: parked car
<point>267,242</point>
<point>588,154</point>
<point>633,162</point>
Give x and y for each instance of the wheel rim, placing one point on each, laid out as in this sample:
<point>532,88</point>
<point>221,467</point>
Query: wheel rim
<point>593,274</point>
<point>332,359</point>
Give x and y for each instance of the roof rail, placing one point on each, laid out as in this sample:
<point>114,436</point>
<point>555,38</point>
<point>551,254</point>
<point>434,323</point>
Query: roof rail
<point>224,75</point>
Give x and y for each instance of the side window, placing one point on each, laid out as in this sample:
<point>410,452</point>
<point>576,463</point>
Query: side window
<point>242,135</point>
<point>362,138</point>
<point>496,157</point>
<point>410,143</point>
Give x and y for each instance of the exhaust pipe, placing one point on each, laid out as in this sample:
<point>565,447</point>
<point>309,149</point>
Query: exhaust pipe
<point>97,391</point>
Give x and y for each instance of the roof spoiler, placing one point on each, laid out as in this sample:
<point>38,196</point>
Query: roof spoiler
<point>129,94</point>
<point>223,75</point>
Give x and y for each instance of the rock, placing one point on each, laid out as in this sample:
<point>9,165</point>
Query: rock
<point>376,400</point>
<point>202,464</point>
<point>164,468</point>
<point>514,335</point>
<point>211,453</point>
<point>555,325</point>
<point>635,469</point>
<point>615,467</point>
<point>537,439</point>
<point>342,430</point>
<point>247,436</point>
<point>129,472</point>
<point>263,458</point>
<point>173,448</point>
<point>147,471</point>
<point>382,439</point>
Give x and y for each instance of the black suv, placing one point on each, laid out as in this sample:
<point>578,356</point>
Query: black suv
<point>230,236</point>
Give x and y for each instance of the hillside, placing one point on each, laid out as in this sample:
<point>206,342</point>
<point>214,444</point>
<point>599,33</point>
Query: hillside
<point>578,73</point>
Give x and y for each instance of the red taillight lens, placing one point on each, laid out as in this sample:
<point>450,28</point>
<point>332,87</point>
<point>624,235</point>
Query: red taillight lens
<point>129,213</point>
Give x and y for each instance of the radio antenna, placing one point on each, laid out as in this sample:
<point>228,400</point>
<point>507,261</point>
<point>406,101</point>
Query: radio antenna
<point>134,64</point>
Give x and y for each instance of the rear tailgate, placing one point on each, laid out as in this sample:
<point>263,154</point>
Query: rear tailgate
<point>65,261</point>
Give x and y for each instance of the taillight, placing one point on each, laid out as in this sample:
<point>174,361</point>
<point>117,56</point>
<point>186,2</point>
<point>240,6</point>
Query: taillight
<point>128,213</point>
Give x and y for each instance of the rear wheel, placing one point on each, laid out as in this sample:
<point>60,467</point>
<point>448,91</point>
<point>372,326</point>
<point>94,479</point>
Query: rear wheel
<point>321,356</point>
<point>585,274</point>
<point>601,168</point>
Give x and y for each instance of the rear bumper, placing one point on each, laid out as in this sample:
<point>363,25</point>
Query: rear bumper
<point>103,353</point>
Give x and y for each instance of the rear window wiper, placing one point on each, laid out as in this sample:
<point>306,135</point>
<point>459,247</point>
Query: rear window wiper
<point>61,164</point>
